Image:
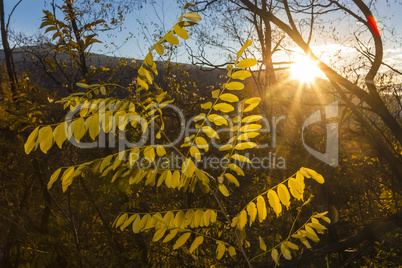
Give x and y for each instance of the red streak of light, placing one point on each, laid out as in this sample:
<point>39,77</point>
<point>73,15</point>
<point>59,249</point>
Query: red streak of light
<point>373,24</point>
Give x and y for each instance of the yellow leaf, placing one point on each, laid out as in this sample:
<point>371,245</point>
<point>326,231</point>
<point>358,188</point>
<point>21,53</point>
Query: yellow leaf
<point>252,212</point>
<point>121,220</point>
<point>143,221</point>
<point>275,255</point>
<point>251,118</point>
<point>128,222</point>
<point>223,107</point>
<point>225,147</point>
<point>160,150</point>
<point>210,132</point>
<point>149,153</point>
<point>234,86</point>
<point>136,224</point>
<point>223,190</point>
<point>45,138</point>
<point>220,251</point>
<point>194,152</point>
<point>168,179</point>
<point>291,245</point>
<point>188,167</point>
<point>215,93</point>
<point>149,59</point>
<point>250,128</point>
<point>181,240</point>
<point>246,63</point>
<point>261,208</point>
<point>284,195</point>
<point>67,178</point>
<point>201,143</point>
<point>242,219</point>
<point>232,251</point>
<point>193,16</point>
<point>59,134</point>
<point>247,135</point>
<point>245,145</point>
<point>171,38</point>
<point>180,31</point>
<point>79,129</point>
<point>171,235</point>
<point>232,179</point>
<point>199,117</point>
<point>285,252</point>
<point>179,218</point>
<point>311,234</point>
<point>31,141</point>
<point>159,234</point>
<point>217,119</point>
<point>229,97</point>
<point>142,83</point>
<point>159,49</point>
<point>198,241</point>
<point>314,175</point>
<point>274,202</point>
<point>240,158</point>
<point>241,75</point>
<point>263,246</point>
<point>199,213</point>
<point>295,188</point>
<point>206,105</point>
<point>244,47</point>
<point>236,169</point>
<point>175,179</point>
<point>53,178</point>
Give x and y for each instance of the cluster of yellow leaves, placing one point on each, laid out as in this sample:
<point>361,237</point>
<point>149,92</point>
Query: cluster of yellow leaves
<point>169,225</point>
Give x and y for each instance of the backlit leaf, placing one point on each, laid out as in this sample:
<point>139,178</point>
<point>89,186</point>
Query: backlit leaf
<point>229,97</point>
<point>193,16</point>
<point>234,86</point>
<point>247,63</point>
<point>241,75</point>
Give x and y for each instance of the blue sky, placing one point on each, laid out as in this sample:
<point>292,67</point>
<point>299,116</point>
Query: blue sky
<point>27,19</point>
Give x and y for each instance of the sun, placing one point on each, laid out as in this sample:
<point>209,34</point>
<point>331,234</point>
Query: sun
<point>305,70</point>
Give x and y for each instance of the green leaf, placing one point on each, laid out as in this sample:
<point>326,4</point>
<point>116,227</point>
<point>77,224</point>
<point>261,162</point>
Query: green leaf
<point>229,97</point>
<point>181,32</point>
<point>181,240</point>
<point>172,39</point>
<point>241,75</point>
<point>31,141</point>
<point>246,63</point>
<point>223,107</point>
<point>234,86</point>
<point>53,178</point>
<point>45,138</point>
<point>83,85</point>
<point>193,16</point>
